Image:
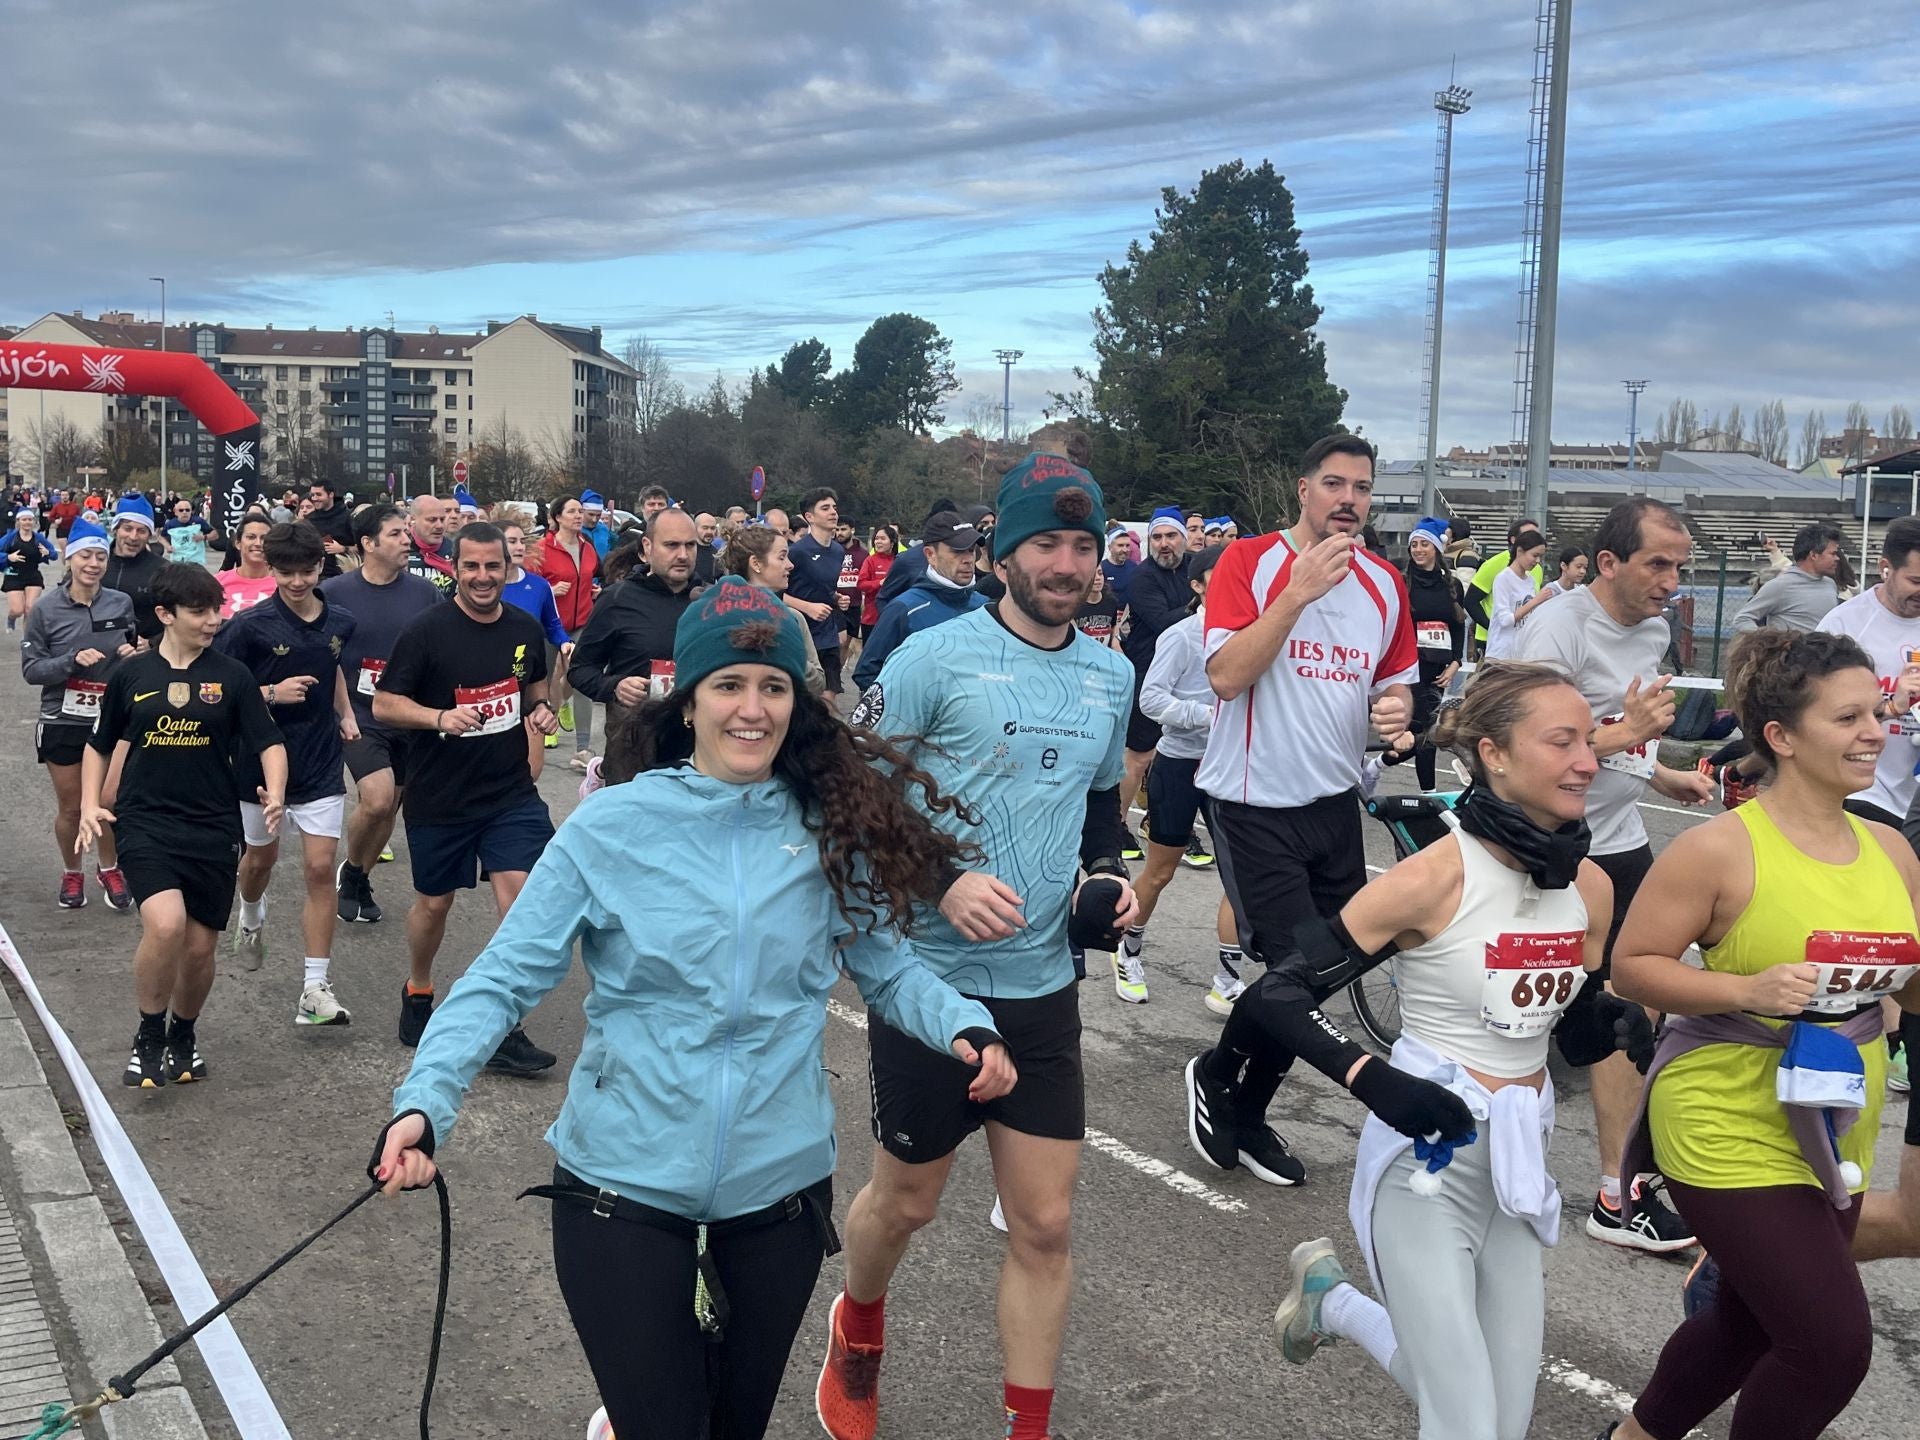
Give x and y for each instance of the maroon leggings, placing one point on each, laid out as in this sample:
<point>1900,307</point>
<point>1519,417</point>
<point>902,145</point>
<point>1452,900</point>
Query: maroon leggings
<point>1790,1329</point>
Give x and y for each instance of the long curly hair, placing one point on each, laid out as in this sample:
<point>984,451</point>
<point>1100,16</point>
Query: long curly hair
<point>882,854</point>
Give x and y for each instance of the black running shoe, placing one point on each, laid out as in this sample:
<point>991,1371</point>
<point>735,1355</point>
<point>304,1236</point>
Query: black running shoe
<point>1643,1223</point>
<point>518,1055</point>
<point>1130,846</point>
<point>346,892</point>
<point>147,1068</point>
<point>1264,1153</point>
<point>370,911</point>
<point>184,1065</point>
<point>1210,1125</point>
<point>415,1011</point>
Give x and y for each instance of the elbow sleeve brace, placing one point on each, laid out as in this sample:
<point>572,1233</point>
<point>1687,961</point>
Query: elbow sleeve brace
<point>1324,961</point>
<point>1102,834</point>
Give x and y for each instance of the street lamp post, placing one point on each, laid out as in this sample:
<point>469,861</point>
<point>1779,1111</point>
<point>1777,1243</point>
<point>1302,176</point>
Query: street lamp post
<point>1008,359</point>
<point>1634,387</point>
<point>161,280</point>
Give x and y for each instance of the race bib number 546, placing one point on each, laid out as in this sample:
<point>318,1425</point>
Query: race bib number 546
<point>498,704</point>
<point>1529,980</point>
<point>1855,967</point>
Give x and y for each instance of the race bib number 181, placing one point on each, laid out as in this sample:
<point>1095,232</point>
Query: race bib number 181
<point>1529,980</point>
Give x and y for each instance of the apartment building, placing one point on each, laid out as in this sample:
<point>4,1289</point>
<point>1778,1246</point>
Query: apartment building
<point>367,402</point>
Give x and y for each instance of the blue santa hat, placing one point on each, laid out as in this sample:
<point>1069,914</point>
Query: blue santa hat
<point>590,500</point>
<point>1167,515</point>
<point>1822,1070</point>
<point>133,507</point>
<point>463,498</point>
<point>85,535</point>
<point>28,511</point>
<point>1431,529</point>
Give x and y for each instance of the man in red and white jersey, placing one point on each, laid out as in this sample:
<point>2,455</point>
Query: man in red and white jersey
<point>1309,642</point>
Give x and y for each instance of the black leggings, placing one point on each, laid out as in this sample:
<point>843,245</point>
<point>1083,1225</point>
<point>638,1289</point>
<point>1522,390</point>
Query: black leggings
<point>629,1288</point>
<point>1790,1329</point>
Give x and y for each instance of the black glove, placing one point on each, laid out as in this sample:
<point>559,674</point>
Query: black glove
<point>425,1147</point>
<point>1415,1107</point>
<point>1095,921</point>
<point>1598,1024</point>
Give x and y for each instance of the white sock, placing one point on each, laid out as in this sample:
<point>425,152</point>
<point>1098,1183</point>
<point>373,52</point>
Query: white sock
<point>1134,939</point>
<point>253,913</point>
<point>1347,1313</point>
<point>1610,1190</point>
<point>1231,959</point>
<point>316,969</point>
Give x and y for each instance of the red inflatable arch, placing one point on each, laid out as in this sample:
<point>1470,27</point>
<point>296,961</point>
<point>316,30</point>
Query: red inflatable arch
<point>171,374</point>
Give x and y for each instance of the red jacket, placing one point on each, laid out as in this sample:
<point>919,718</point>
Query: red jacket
<point>873,572</point>
<point>550,560</point>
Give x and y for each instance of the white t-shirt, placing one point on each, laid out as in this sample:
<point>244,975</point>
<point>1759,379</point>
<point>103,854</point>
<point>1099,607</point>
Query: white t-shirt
<point>1601,656</point>
<point>1889,642</point>
<point>1510,592</point>
<point>1298,734</point>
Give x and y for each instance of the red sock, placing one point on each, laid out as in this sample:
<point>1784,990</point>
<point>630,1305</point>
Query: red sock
<point>1028,1412</point>
<point>863,1322</point>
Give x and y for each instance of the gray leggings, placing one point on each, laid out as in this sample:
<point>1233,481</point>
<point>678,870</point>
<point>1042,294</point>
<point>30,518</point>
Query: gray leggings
<point>1465,1287</point>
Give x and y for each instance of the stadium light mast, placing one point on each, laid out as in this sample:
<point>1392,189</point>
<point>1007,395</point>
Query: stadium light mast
<point>1449,102</point>
<point>1556,16</point>
<point>161,281</point>
<point>1634,387</point>
<point>1008,359</point>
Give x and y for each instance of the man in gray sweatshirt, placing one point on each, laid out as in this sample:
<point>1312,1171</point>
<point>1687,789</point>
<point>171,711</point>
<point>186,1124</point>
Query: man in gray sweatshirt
<point>1799,597</point>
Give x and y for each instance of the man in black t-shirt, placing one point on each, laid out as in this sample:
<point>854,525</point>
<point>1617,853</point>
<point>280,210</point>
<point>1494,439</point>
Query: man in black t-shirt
<point>468,677</point>
<point>177,719</point>
<point>291,643</point>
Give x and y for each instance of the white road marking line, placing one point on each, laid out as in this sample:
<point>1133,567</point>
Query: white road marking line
<point>1153,1169</point>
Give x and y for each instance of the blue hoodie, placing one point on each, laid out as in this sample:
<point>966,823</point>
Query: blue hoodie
<point>709,955</point>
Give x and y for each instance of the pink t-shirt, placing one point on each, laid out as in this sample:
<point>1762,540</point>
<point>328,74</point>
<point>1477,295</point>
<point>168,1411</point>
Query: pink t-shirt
<point>242,593</point>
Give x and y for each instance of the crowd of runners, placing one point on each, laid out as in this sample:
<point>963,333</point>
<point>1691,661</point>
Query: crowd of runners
<point>914,762</point>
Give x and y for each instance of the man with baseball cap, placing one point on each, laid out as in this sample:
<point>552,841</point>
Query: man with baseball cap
<point>945,591</point>
<point>1158,597</point>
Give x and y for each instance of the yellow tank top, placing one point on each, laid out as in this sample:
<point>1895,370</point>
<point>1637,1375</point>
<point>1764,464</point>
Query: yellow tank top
<point>1716,1123</point>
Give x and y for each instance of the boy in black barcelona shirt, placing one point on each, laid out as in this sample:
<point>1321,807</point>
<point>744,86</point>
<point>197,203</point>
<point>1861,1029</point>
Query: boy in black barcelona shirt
<point>176,721</point>
<point>291,643</point>
<point>468,679</point>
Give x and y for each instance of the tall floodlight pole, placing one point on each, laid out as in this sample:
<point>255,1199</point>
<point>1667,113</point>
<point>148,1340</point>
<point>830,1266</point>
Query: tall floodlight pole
<point>1634,387</point>
<point>1449,102</point>
<point>1540,412</point>
<point>161,280</point>
<point>1008,359</point>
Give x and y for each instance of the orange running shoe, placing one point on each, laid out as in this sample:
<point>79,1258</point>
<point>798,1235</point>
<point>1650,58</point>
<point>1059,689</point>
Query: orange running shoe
<point>847,1399</point>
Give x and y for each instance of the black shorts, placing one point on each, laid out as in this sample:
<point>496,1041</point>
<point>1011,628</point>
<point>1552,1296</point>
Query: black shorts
<point>378,750</point>
<point>1173,801</point>
<point>59,744</point>
<point>1626,869</point>
<point>1910,1037</point>
<point>205,875</point>
<point>920,1107</point>
<point>446,858</point>
<point>1142,734</point>
<point>25,580</point>
<point>1282,867</point>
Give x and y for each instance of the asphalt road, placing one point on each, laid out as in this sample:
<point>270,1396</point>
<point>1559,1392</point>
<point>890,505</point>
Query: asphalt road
<point>1178,1266</point>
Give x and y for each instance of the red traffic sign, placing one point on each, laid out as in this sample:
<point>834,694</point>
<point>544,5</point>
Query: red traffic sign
<point>459,472</point>
<point>759,482</point>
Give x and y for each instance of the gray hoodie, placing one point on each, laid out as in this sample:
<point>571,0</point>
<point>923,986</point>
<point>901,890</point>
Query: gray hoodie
<point>57,630</point>
<point>1792,600</point>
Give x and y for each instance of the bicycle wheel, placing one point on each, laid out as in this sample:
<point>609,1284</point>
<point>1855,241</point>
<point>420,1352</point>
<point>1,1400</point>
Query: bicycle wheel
<point>1375,998</point>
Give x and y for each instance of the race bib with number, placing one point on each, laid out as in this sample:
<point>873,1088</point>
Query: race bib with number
<point>1636,760</point>
<point>370,673</point>
<point>498,704</point>
<point>81,699</point>
<point>1857,967</point>
<point>660,680</point>
<point>1529,980</point>
<point>1433,635</point>
<point>849,579</point>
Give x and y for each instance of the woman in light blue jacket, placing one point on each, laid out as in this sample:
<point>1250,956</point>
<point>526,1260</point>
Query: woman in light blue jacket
<point>716,896</point>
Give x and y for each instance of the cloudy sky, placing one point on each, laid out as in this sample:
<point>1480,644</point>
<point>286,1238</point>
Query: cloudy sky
<point>731,176</point>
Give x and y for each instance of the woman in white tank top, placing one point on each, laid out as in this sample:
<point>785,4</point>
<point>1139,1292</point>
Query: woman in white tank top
<point>1493,931</point>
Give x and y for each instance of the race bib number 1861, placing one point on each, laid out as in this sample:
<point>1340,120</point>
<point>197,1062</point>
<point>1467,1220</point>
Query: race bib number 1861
<point>498,704</point>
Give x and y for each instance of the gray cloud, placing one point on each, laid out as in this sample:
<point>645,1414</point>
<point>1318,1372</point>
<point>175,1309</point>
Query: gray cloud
<point>1737,172</point>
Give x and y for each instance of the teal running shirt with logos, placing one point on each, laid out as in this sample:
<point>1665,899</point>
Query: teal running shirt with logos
<point>1021,735</point>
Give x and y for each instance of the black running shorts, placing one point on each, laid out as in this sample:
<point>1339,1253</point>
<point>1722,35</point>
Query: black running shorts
<point>204,876</point>
<point>1173,801</point>
<point>60,744</point>
<point>920,1107</point>
<point>1142,734</point>
<point>377,750</point>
